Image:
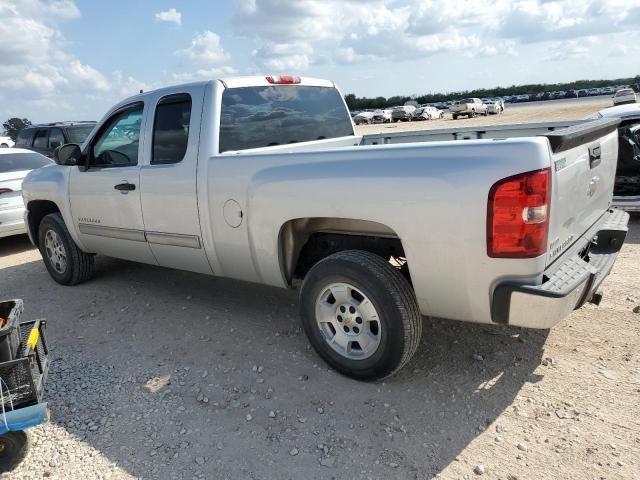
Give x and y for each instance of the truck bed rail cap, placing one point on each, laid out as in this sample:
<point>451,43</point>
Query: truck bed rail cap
<point>577,135</point>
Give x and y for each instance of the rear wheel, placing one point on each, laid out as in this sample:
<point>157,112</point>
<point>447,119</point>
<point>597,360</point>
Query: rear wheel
<point>360,314</point>
<point>4,145</point>
<point>66,263</point>
<point>455,117</point>
<point>13,449</point>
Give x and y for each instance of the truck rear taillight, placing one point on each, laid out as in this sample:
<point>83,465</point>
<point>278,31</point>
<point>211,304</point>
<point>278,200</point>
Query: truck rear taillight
<point>518,215</point>
<point>283,79</point>
<point>5,190</point>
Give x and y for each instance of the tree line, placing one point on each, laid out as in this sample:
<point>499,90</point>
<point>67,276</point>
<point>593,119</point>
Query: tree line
<point>361,103</point>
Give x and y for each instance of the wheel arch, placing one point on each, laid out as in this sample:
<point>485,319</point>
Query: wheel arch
<point>302,242</point>
<point>38,209</point>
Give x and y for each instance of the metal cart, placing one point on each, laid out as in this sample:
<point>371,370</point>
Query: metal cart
<point>24,364</point>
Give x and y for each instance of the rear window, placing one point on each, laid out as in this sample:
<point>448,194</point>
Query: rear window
<point>78,134</point>
<point>13,162</point>
<point>255,117</point>
<point>25,137</point>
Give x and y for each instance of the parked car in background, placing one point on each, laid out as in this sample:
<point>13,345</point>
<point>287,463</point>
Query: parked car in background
<point>571,94</point>
<point>427,112</point>
<point>364,117</point>
<point>45,138</point>
<point>493,107</point>
<point>522,98</point>
<point>382,116</point>
<point>403,113</point>
<point>608,91</point>
<point>6,142</point>
<point>15,164</point>
<point>624,95</point>
<point>593,92</point>
<point>469,107</point>
<point>582,93</point>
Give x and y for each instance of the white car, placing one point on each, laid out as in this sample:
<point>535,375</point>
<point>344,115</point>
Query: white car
<point>621,111</point>
<point>624,95</point>
<point>363,117</point>
<point>493,107</point>
<point>6,142</point>
<point>427,113</point>
<point>15,163</point>
<point>382,116</point>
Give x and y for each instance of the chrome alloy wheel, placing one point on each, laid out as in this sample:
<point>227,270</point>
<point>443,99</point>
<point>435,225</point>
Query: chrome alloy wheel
<point>56,253</point>
<point>348,321</point>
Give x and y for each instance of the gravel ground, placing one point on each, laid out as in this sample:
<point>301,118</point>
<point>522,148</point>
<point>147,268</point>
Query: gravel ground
<point>158,373</point>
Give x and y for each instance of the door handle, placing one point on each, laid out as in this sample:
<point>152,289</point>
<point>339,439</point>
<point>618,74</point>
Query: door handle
<point>125,187</point>
<point>595,156</point>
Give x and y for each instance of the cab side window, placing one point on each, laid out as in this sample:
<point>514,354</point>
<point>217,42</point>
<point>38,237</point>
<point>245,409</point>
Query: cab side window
<point>56,138</point>
<point>40,140</point>
<point>171,129</point>
<point>117,143</point>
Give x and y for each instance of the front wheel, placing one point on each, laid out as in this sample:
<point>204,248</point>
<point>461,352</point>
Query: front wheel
<point>360,314</point>
<point>66,263</point>
<point>13,449</point>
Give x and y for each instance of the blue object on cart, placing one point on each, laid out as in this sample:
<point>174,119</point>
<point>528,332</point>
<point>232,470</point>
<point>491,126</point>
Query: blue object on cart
<point>23,418</point>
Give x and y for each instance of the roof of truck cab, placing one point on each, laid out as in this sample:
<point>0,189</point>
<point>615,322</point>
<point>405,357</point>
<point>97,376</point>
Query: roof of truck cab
<point>230,82</point>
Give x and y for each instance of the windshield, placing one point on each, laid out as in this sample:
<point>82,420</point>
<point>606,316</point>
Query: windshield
<point>78,134</point>
<point>15,162</point>
<point>255,117</point>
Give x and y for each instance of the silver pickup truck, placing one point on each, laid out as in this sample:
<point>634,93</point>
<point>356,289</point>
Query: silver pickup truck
<point>264,179</point>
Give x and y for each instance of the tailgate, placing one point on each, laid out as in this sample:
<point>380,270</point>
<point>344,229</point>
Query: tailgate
<point>583,166</point>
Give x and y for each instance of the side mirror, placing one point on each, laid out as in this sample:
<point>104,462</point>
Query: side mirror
<point>69,155</point>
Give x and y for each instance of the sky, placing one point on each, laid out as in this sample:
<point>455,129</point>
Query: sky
<point>73,59</point>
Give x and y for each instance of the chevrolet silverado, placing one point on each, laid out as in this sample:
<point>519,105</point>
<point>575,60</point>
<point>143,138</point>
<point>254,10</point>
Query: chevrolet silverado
<point>264,179</point>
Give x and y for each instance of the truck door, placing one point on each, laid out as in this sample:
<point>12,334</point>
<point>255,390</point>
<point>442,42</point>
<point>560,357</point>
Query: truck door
<point>105,199</point>
<point>168,181</point>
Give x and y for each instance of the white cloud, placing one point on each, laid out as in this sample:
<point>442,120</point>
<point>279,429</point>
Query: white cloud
<point>204,74</point>
<point>38,75</point>
<point>303,33</point>
<point>206,48</point>
<point>170,16</point>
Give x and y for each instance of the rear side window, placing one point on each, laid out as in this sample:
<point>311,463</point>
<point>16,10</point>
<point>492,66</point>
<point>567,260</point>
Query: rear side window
<point>14,162</point>
<point>255,117</point>
<point>78,134</point>
<point>56,138</point>
<point>171,129</point>
<point>25,137</point>
<point>40,140</point>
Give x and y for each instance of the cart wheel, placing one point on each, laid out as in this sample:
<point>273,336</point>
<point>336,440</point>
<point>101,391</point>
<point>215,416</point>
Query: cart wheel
<point>13,449</point>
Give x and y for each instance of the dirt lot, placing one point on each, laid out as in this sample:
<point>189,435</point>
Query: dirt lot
<point>163,374</point>
<point>514,113</point>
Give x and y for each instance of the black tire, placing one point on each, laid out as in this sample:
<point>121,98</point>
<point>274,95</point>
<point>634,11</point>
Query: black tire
<point>79,265</point>
<point>4,145</point>
<point>13,448</point>
<point>391,295</point>
<point>455,117</point>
